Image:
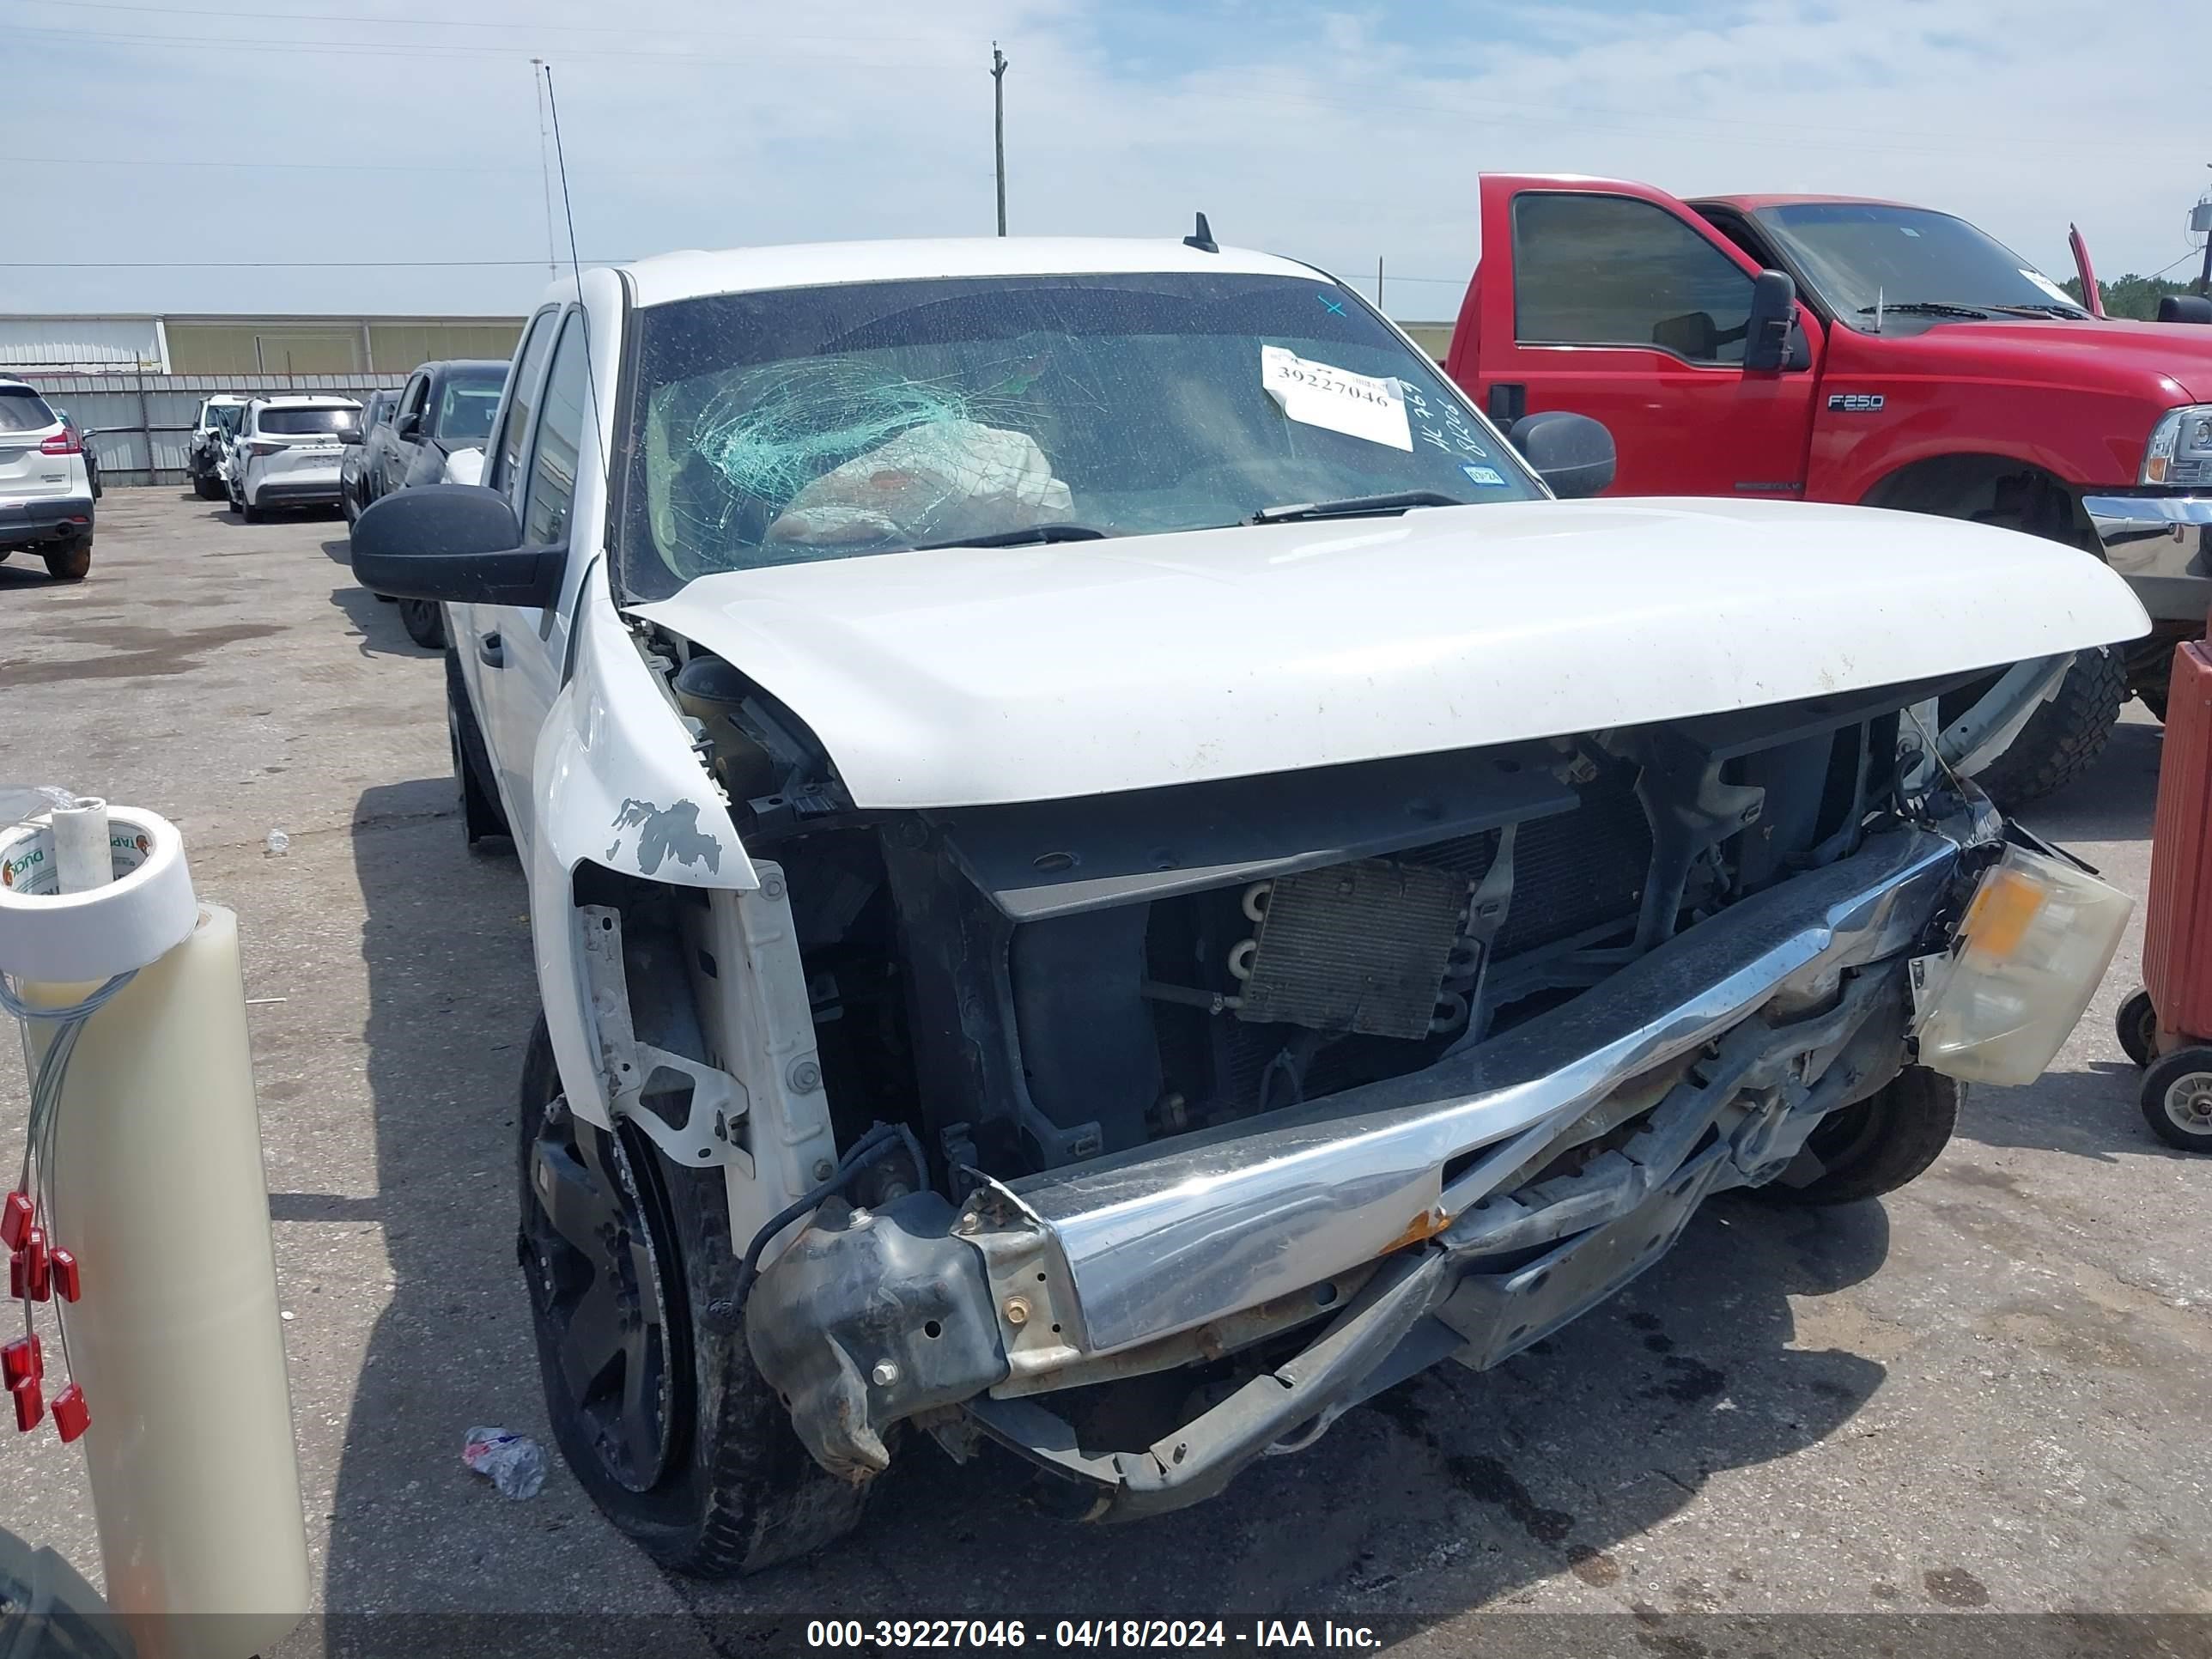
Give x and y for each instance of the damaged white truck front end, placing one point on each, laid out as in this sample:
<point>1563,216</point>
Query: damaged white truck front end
<point>1081,902</point>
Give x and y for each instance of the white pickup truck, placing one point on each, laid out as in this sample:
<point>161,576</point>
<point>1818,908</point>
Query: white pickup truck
<point>1088,817</point>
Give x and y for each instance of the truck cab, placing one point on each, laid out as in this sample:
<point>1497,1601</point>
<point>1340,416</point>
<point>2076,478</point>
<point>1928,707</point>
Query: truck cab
<point>1840,350</point>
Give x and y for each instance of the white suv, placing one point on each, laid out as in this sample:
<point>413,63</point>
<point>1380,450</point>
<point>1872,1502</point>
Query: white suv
<point>288,452</point>
<point>46,495</point>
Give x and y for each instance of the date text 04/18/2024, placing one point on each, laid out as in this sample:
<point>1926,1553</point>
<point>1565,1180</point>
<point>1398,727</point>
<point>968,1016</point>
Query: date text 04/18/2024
<point>993,1635</point>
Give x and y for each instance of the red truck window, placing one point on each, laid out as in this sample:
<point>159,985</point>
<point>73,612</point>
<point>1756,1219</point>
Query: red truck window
<point>1615,271</point>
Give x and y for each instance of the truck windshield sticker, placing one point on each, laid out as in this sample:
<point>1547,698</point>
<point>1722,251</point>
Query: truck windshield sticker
<point>2048,286</point>
<point>1320,394</point>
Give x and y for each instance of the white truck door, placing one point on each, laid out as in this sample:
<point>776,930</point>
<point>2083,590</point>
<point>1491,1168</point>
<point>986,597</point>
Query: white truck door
<point>519,652</point>
<point>505,468</point>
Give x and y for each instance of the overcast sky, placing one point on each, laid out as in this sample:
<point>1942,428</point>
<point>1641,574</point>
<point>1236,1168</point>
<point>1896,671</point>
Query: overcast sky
<point>349,131</point>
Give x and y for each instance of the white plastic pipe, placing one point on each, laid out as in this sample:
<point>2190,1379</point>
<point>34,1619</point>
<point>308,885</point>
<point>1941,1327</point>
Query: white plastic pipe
<point>81,856</point>
<point>157,1186</point>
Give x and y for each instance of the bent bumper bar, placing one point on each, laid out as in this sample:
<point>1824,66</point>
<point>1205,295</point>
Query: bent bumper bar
<point>2163,545</point>
<point>1473,1293</point>
<point>1184,1232</point>
<point>1402,1209</point>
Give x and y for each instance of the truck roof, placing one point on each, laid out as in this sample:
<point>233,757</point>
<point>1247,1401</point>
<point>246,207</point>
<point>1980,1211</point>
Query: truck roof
<point>1753,203</point>
<point>671,276</point>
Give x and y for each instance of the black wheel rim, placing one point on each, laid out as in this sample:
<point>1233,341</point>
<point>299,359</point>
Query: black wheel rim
<point>598,1275</point>
<point>1844,1137</point>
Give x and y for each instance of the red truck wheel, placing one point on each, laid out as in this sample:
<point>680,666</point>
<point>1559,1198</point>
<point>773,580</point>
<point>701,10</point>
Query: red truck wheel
<point>2063,737</point>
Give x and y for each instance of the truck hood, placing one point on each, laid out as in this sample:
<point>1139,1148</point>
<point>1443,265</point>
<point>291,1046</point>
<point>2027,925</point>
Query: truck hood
<point>2168,363</point>
<point>975,676</point>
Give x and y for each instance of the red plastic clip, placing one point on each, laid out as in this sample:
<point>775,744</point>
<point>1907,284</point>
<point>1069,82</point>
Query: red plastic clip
<point>30,1404</point>
<point>21,1359</point>
<point>16,1215</point>
<point>68,1284</point>
<point>71,1415</point>
<point>19,1283</point>
<point>38,1265</point>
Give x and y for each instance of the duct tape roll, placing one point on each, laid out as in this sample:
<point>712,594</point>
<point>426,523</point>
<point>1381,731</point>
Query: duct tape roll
<point>58,937</point>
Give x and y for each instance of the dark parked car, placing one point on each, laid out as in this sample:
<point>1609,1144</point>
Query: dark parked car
<point>444,408</point>
<point>374,413</point>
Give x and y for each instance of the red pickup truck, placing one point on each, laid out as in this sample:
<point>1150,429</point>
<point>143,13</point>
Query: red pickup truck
<point>1832,349</point>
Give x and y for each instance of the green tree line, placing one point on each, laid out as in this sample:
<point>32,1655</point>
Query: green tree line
<point>2132,296</point>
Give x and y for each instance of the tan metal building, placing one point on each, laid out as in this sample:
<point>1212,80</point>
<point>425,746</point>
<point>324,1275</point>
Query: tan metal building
<point>177,344</point>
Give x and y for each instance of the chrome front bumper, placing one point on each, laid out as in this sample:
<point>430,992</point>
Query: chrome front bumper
<point>1401,1212</point>
<point>2163,545</point>
<point>1182,1232</point>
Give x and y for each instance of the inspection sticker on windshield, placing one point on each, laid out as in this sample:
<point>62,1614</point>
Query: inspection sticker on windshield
<point>1322,394</point>
<point>1488,478</point>
<point>2047,286</point>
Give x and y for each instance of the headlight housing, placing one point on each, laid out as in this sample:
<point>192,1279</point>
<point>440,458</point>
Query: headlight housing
<point>2180,448</point>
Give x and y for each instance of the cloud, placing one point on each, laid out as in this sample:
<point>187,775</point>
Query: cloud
<point>1335,133</point>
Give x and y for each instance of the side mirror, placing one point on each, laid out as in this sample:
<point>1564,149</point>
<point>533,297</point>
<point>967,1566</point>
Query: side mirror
<point>1773,314</point>
<point>1572,453</point>
<point>352,434</point>
<point>408,426</point>
<point>458,543</point>
<point>2184,308</point>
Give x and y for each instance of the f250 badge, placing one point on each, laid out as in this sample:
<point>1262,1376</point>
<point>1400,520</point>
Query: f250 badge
<point>1854,403</point>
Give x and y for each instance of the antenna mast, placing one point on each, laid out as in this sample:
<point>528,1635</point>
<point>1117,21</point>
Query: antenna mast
<point>544,169</point>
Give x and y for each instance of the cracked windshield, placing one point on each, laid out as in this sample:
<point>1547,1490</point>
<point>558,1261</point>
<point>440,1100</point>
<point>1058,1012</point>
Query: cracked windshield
<point>779,427</point>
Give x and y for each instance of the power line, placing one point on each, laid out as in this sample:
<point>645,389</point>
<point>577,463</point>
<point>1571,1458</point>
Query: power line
<point>455,49</point>
<point>279,264</point>
<point>251,166</point>
<point>182,14</point>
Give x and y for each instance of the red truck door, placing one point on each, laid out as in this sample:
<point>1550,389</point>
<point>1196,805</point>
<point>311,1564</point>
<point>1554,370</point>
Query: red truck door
<point>1617,302</point>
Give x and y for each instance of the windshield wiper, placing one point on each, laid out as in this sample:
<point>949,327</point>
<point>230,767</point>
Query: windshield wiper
<point>2068,312</point>
<point>1355,507</point>
<point>1925,308</point>
<point>1035,532</point>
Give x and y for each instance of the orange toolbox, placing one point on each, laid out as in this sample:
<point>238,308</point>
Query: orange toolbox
<point>2166,1027</point>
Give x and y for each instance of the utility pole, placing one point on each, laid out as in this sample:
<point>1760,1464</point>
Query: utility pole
<point>999,125</point>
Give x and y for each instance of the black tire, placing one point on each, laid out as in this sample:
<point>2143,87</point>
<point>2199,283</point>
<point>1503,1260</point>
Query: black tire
<point>247,511</point>
<point>425,622</point>
<point>481,816</point>
<point>207,487</point>
<point>698,1462</point>
<point>2063,737</point>
<point>1880,1143</point>
<point>2136,1026</point>
<point>2177,1099</point>
<point>71,561</point>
